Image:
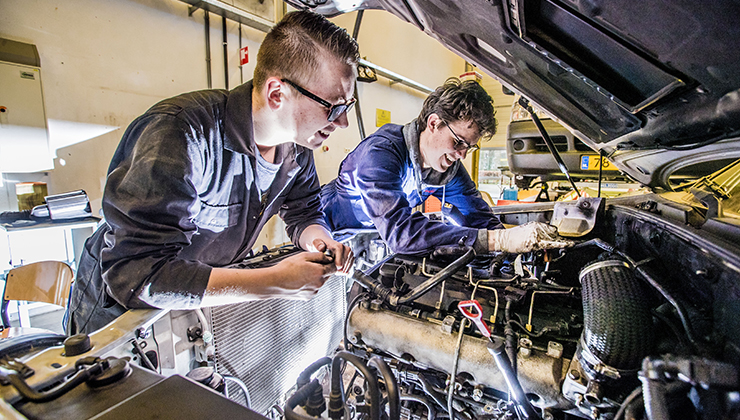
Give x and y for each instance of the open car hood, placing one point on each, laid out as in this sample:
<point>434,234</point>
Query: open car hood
<point>654,84</point>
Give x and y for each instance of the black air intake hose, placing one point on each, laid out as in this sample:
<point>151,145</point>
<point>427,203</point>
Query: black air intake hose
<point>617,331</point>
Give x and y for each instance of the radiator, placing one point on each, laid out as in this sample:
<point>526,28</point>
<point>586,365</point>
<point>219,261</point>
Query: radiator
<point>268,343</point>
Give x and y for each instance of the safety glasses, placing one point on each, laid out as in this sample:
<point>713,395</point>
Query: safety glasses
<point>334,110</point>
<point>460,144</point>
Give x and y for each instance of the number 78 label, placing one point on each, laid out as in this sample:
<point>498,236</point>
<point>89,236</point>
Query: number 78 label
<point>591,162</point>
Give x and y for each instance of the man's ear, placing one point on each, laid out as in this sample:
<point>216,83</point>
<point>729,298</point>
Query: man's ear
<point>433,122</point>
<point>274,93</point>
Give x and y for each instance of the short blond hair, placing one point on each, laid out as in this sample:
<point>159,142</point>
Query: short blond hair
<point>293,48</point>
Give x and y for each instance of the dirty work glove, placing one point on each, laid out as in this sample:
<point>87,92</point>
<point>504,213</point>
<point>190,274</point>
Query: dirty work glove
<point>528,237</point>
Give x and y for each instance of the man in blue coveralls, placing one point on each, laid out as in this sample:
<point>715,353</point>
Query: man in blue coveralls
<point>399,166</point>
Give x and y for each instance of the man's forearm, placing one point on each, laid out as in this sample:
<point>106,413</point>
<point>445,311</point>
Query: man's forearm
<point>297,277</point>
<point>226,286</point>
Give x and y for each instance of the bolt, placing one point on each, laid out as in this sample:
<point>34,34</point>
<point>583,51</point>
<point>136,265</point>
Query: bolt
<point>142,333</point>
<point>574,375</point>
<point>477,394</point>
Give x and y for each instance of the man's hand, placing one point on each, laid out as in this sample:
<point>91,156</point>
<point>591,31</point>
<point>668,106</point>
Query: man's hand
<point>317,238</point>
<point>302,275</point>
<point>342,254</point>
<point>299,276</point>
<point>528,237</point>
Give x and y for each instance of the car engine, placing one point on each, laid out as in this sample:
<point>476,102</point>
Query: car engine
<point>614,327</point>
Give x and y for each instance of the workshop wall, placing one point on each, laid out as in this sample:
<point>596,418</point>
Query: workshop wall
<point>104,62</point>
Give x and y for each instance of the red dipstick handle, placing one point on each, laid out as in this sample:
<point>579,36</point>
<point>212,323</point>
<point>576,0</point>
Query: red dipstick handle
<point>473,311</point>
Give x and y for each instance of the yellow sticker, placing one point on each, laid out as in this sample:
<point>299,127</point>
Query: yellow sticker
<point>382,117</point>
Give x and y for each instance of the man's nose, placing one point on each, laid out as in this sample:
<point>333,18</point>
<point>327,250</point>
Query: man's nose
<point>342,120</point>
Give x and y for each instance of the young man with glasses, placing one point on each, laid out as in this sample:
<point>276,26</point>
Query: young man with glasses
<point>398,167</point>
<point>197,176</point>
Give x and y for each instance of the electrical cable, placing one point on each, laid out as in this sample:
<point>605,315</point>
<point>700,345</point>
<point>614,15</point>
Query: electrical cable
<point>351,381</point>
<point>431,413</point>
<point>453,373</point>
<point>241,67</point>
<point>101,293</point>
<point>458,346</point>
<point>703,143</point>
<point>627,401</point>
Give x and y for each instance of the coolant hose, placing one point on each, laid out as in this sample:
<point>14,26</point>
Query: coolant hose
<point>300,397</point>
<point>391,386</point>
<point>371,284</point>
<point>315,404</point>
<point>680,310</point>
<point>305,376</point>
<point>443,275</point>
<point>653,390</point>
<point>617,324</point>
<point>336,397</point>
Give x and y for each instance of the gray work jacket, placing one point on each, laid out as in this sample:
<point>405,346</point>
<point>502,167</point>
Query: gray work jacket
<point>181,198</point>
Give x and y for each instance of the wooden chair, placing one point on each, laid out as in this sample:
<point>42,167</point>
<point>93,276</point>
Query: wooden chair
<point>44,281</point>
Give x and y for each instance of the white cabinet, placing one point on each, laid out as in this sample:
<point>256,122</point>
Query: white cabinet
<point>24,140</point>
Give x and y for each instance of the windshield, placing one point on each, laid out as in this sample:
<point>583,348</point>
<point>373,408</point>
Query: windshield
<point>726,185</point>
<point>723,184</point>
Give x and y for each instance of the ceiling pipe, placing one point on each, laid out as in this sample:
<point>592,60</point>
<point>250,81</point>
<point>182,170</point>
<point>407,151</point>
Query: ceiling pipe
<point>358,109</point>
<point>241,66</point>
<point>208,49</point>
<point>224,40</point>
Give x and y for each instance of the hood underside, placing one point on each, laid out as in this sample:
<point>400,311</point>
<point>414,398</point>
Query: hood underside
<point>633,78</point>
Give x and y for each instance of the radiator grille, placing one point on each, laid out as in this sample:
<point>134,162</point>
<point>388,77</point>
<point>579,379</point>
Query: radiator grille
<point>268,343</point>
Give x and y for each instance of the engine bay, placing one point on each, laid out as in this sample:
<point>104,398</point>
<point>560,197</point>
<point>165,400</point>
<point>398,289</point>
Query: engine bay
<point>636,320</point>
<point>611,328</point>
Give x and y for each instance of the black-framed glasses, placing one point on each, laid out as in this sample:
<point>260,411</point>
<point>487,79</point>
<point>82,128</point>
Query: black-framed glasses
<point>334,110</point>
<point>460,144</point>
